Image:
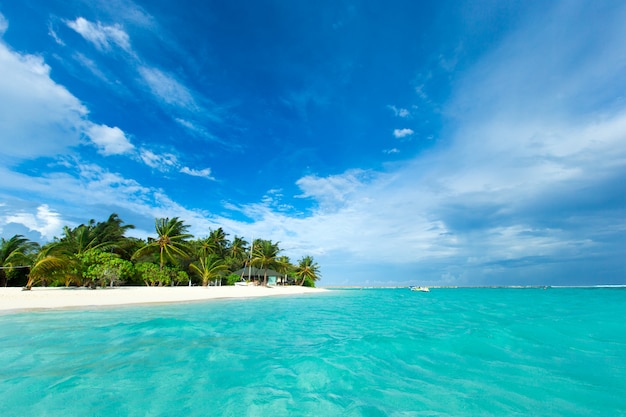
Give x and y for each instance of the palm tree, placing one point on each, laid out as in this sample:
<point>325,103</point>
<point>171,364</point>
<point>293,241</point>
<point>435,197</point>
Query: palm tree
<point>284,266</point>
<point>265,256</point>
<point>14,253</point>
<point>170,243</point>
<point>307,269</point>
<point>102,235</point>
<point>111,233</point>
<point>75,244</point>
<point>237,253</point>
<point>49,261</point>
<point>218,242</point>
<point>209,267</point>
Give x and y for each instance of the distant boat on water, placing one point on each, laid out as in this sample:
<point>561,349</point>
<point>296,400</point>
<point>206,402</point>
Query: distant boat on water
<point>421,289</point>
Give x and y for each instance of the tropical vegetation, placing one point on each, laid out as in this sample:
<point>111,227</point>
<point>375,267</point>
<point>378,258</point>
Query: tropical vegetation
<point>100,254</point>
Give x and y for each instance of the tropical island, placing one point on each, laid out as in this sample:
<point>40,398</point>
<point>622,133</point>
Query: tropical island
<point>99,254</point>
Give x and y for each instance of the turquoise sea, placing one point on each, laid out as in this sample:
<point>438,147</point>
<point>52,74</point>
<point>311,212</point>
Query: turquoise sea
<point>370,352</point>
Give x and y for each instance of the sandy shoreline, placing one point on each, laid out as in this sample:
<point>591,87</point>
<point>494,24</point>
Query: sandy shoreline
<point>14,299</point>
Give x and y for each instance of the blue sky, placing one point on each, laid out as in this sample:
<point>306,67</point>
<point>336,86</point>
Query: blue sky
<point>398,142</point>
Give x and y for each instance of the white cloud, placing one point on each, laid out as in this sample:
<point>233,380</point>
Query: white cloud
<point>199,130</point>
<point>400,112</point>
<point>4,24</point>
<point>38,116</point>
<point>54,35</point>
<point>45,221</point>
<point>168,162</point>
<point>109,140</point>
<point>167,88</point>
<point>162,162</point>
<point>101,36</point>
<point>204,173</point>
<point>334,190</point>
<point>526,188</point>
<point>91,66</point>
<point>391,151</point>
<point>401,133</point>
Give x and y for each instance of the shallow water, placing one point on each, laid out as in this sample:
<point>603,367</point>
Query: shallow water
<point>373,352</point>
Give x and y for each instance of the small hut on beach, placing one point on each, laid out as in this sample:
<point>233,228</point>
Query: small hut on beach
<point>258,275</point>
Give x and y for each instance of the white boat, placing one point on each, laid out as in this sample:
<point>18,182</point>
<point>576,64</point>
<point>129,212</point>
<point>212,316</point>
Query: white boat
<point>420,289</point>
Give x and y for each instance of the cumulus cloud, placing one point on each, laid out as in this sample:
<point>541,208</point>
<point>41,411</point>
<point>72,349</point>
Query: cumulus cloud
<point>401,133</point>
<point>109,140</point>
<point>42,118</point>
<point>38,116</point>
<point>101,36</point>
<point>46,222</point>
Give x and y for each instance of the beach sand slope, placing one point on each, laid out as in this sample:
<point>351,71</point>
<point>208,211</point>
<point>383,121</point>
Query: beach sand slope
<point>50,298</point>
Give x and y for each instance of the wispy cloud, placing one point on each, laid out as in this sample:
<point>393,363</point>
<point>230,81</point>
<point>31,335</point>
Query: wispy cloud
<point>103,37</point>
<point>163,162</point>
<point>168,89</point>
<point>4,24</point>
<point>402,133</point>
<point>204,173</point>
<point>90,65</point>
<point>54,35</point>
<point>200,131</point>
<point>400,112</point>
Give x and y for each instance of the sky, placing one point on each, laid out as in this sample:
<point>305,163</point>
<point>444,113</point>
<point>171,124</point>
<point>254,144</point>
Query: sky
<point>397,142</point>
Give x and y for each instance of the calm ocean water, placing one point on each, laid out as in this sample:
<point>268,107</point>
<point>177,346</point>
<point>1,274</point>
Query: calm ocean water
<point>373,352</point>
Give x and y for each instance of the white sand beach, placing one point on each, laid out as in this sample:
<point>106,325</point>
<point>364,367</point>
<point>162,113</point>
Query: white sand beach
<point>46,297</point>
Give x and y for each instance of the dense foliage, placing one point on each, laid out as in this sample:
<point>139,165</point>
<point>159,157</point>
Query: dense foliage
<point>99,254</point>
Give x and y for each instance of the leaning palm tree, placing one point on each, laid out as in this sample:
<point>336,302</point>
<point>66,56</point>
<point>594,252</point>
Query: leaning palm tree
<point>208,268</point>
<point>49,261</point>
<point>102,235</point>
<point>171,242</point>
<point>265,256</point>
<point>307,269</point>
<point>110,233</point>
<point>14,254</point>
